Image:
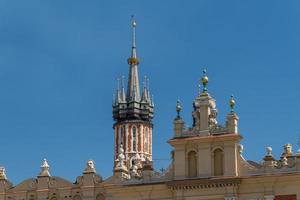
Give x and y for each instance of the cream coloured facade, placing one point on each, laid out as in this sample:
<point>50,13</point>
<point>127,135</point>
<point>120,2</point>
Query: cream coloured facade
<point>207,158</point>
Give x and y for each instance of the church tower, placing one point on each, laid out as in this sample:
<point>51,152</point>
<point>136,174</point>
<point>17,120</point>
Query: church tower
<point>133,114</point>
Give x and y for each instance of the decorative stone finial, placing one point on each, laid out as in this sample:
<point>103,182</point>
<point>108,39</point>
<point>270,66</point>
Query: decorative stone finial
<point>178,109</point>
<point>90,167</point>
<point>2,174</point>
<point>204,81</point>
<point>45,168</point>
<point>287,150</point>
<point>241,148</point>
<point>269,151</point>
<point>231,104</point>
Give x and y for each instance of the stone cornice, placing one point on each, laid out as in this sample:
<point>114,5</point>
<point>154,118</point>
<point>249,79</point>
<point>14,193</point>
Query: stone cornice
<point>203,183</point>
<point>205,139</point>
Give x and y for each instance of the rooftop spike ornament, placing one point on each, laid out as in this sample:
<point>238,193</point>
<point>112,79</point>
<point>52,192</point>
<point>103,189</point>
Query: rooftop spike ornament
<point>204,81</point>
<point>133,60</point>
<point>123,96</point>
<point>231,104</point>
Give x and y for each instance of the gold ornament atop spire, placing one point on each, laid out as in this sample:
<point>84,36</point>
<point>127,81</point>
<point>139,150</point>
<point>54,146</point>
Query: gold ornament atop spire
<point>204,81</point>
<point>231,104</point>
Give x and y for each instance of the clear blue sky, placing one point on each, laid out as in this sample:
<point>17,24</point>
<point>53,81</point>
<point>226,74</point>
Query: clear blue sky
<point>59,61</point>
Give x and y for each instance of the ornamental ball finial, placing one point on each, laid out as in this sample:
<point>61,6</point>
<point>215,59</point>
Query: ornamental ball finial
<point>178,109</point>
<point>133,21</point>
<point>204,81</point>
<point>269,151</point>
<point>231,104</point>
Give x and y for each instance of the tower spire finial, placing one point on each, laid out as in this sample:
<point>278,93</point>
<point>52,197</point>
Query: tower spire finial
<point>133,24</point>
<point>133,61</point>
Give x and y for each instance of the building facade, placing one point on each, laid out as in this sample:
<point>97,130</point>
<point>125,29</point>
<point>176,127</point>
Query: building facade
<point>207,158</point>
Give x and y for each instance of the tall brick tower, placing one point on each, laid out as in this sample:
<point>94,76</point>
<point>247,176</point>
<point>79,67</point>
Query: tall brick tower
<point>133,114</point>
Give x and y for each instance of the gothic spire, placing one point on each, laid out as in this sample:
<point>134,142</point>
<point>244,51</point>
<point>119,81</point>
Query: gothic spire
<point>117,96</point>
<point>123,98</point>
<point>133,89</point>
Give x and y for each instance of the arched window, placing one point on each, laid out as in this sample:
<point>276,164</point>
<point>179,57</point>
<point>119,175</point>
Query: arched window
<point>134,138</point>
<point>218,162</point>
<point>192,164</point>
<point>146,140</point>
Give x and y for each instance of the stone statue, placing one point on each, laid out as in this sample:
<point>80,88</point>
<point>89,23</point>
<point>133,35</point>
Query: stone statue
<point>196,119</point>
<point>2,173</point>
<point>45,168</point>
<point>287,150</point>
<point>90,167</point>
<point>213,118</point>
<point>120,160</point>
<point>134,171</point>
<point>284,162</point>
<point>241,148</point>
<point>138,161</point>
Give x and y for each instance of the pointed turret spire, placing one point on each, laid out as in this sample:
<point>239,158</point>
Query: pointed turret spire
<point>123,97</point>
<point>145,92</point>
<point>133,89</point>
<point>117,97</point>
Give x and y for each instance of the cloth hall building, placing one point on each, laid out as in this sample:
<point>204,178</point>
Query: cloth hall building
<point>207,158</point>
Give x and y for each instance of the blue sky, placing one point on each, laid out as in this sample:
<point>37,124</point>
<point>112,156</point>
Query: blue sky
<point>59,61</point>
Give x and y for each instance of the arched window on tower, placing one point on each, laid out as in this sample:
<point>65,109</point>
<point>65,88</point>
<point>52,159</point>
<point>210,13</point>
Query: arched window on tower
<point>146,140</point>
<point>134,138</point>
<point>218,162</point>
<point>192,164</point>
